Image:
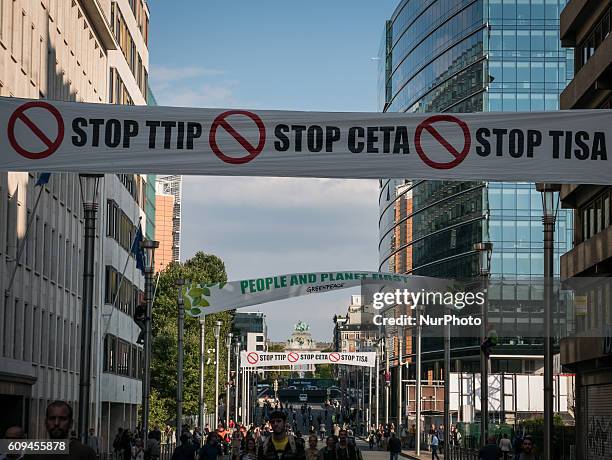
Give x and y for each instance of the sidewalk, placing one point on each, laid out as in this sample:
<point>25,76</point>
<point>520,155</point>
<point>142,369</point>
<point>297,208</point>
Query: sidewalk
<point>425,454</point>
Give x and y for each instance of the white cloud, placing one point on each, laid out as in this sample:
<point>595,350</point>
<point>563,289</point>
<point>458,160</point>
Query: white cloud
<point>266,226</point>
<point>163,74</point>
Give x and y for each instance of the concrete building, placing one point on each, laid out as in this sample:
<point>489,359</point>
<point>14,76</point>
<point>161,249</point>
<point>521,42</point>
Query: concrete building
<point>168,220</point>
<point>81,51</point>
<point>251,329</point>
<point>356,330</point>
<point>586,27</point>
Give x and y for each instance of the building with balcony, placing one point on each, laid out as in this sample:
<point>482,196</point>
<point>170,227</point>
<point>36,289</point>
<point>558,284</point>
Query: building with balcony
<point>586,27</point>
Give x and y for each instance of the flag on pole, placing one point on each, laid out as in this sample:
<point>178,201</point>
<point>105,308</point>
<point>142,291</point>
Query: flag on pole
<point>137,250</point>
<point>43,178</point>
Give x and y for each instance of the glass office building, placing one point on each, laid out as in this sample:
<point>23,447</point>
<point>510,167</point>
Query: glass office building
<point>471,56</point>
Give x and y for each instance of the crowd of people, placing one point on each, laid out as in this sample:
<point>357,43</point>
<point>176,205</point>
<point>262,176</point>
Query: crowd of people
<point>276,439</point>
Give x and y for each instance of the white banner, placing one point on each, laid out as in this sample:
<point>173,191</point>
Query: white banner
<point>203,299</point>
<point>563,146</point>
<point>292,358</point>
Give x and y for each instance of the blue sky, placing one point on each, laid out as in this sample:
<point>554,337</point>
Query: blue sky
<point>270,54</point>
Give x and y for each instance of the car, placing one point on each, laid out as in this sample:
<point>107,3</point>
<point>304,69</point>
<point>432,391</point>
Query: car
<point>311,387</point>
<point>292,388</point>
<point>303,397</point>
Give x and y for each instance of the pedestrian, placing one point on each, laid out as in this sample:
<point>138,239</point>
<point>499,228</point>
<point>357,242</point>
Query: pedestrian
<point>312,453</point>
<point>329,452</point>
<point>212,449</point>
<point>528,449</point>
<point>138,452</point>
<point>404,436</point>
<point>280,446</point>
<point>153,446</point>
<point>346,450</point>
<point>505,446</point>
<point>434,444</point>
<point>490,451</point>
<point>395,447</point>
<point>322,430</point>
<point>250,450</point>
<point>15,433</point>
<point>117,450</point>
<point>93,441</point>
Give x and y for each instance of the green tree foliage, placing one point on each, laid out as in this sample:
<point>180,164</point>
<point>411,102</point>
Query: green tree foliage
<point>202,268</point>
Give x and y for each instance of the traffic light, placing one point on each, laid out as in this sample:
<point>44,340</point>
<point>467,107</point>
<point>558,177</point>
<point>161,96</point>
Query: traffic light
<point>232,380</point>
<point>275,385</point>
<point>140,314</point>
<point>489,342</point>
<point>387,378</point>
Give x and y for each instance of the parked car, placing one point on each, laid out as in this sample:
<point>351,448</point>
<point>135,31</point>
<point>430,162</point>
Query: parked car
<point>311,387</point>
<point>303,397</point>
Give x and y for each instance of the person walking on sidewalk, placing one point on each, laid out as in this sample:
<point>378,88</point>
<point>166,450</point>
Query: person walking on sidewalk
<point>434,444</point>
<point>490,451</point>
<point>505,446</point>
<point>395,446</point>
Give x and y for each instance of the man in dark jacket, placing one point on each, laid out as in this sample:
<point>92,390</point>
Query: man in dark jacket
<point>347,450</point>
<point>395,446</point>
<point>280,446</point>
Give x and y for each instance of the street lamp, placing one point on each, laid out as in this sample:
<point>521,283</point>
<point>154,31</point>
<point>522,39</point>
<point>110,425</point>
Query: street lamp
<point>550,201</point>
<point>202,353</point>
<point>180,355</point>
<point>217,333</point>
<point>89,195</point>
<point>236,386</point>
<point>228,345</point>
<point>484,250</point>
<point>149,247</point>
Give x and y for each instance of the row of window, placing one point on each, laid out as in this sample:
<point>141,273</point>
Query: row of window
<point>587,48</point>
<point>122,358</point>
<point>117,91</point>
<point>128,47</point>
<point>136,186</point>
<point>129,294</point>
<point>119,226</point>
<point>138,8</point>
<point>40,43</point>
<point>525,9</point>
<point>47,250</point>
<point>596,215</point>
<point>32,333</point>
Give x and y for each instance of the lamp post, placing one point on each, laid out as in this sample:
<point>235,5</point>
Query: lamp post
<point>484,250</point>
<point>202,352</point>
<point>217,333</point>
<point>228,344</point>
<point>149,247</point>
<point>179,362</point>
<point>236,386</point>
<point>417,390</point>
<point>377,398</point>
<point>89,195</point>
<point>549,217</point>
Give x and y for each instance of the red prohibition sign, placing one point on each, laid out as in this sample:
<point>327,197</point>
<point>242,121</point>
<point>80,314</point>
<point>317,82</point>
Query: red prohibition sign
<point>458,156</point>
<point>334,357</point>
<point>293,357</point>
<point>253,151</point>
<point>252,357</point>
<point>52,145</point>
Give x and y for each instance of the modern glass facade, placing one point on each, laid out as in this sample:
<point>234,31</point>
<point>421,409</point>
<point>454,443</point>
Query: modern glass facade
<point>470,56</point>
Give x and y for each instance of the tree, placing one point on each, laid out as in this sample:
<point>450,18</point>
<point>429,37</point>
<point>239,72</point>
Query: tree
<point>202,268</point>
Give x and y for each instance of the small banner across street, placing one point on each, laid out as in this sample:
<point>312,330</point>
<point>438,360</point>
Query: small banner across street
<point>49,136</point>
<point>293,358</point>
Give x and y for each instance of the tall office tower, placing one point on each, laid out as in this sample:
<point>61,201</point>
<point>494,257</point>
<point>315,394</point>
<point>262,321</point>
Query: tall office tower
<point>80,51</point>
<point>472,56</point>
<point>168,220</point>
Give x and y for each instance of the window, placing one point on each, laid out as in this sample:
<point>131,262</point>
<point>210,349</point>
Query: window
<point>595,215</point>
